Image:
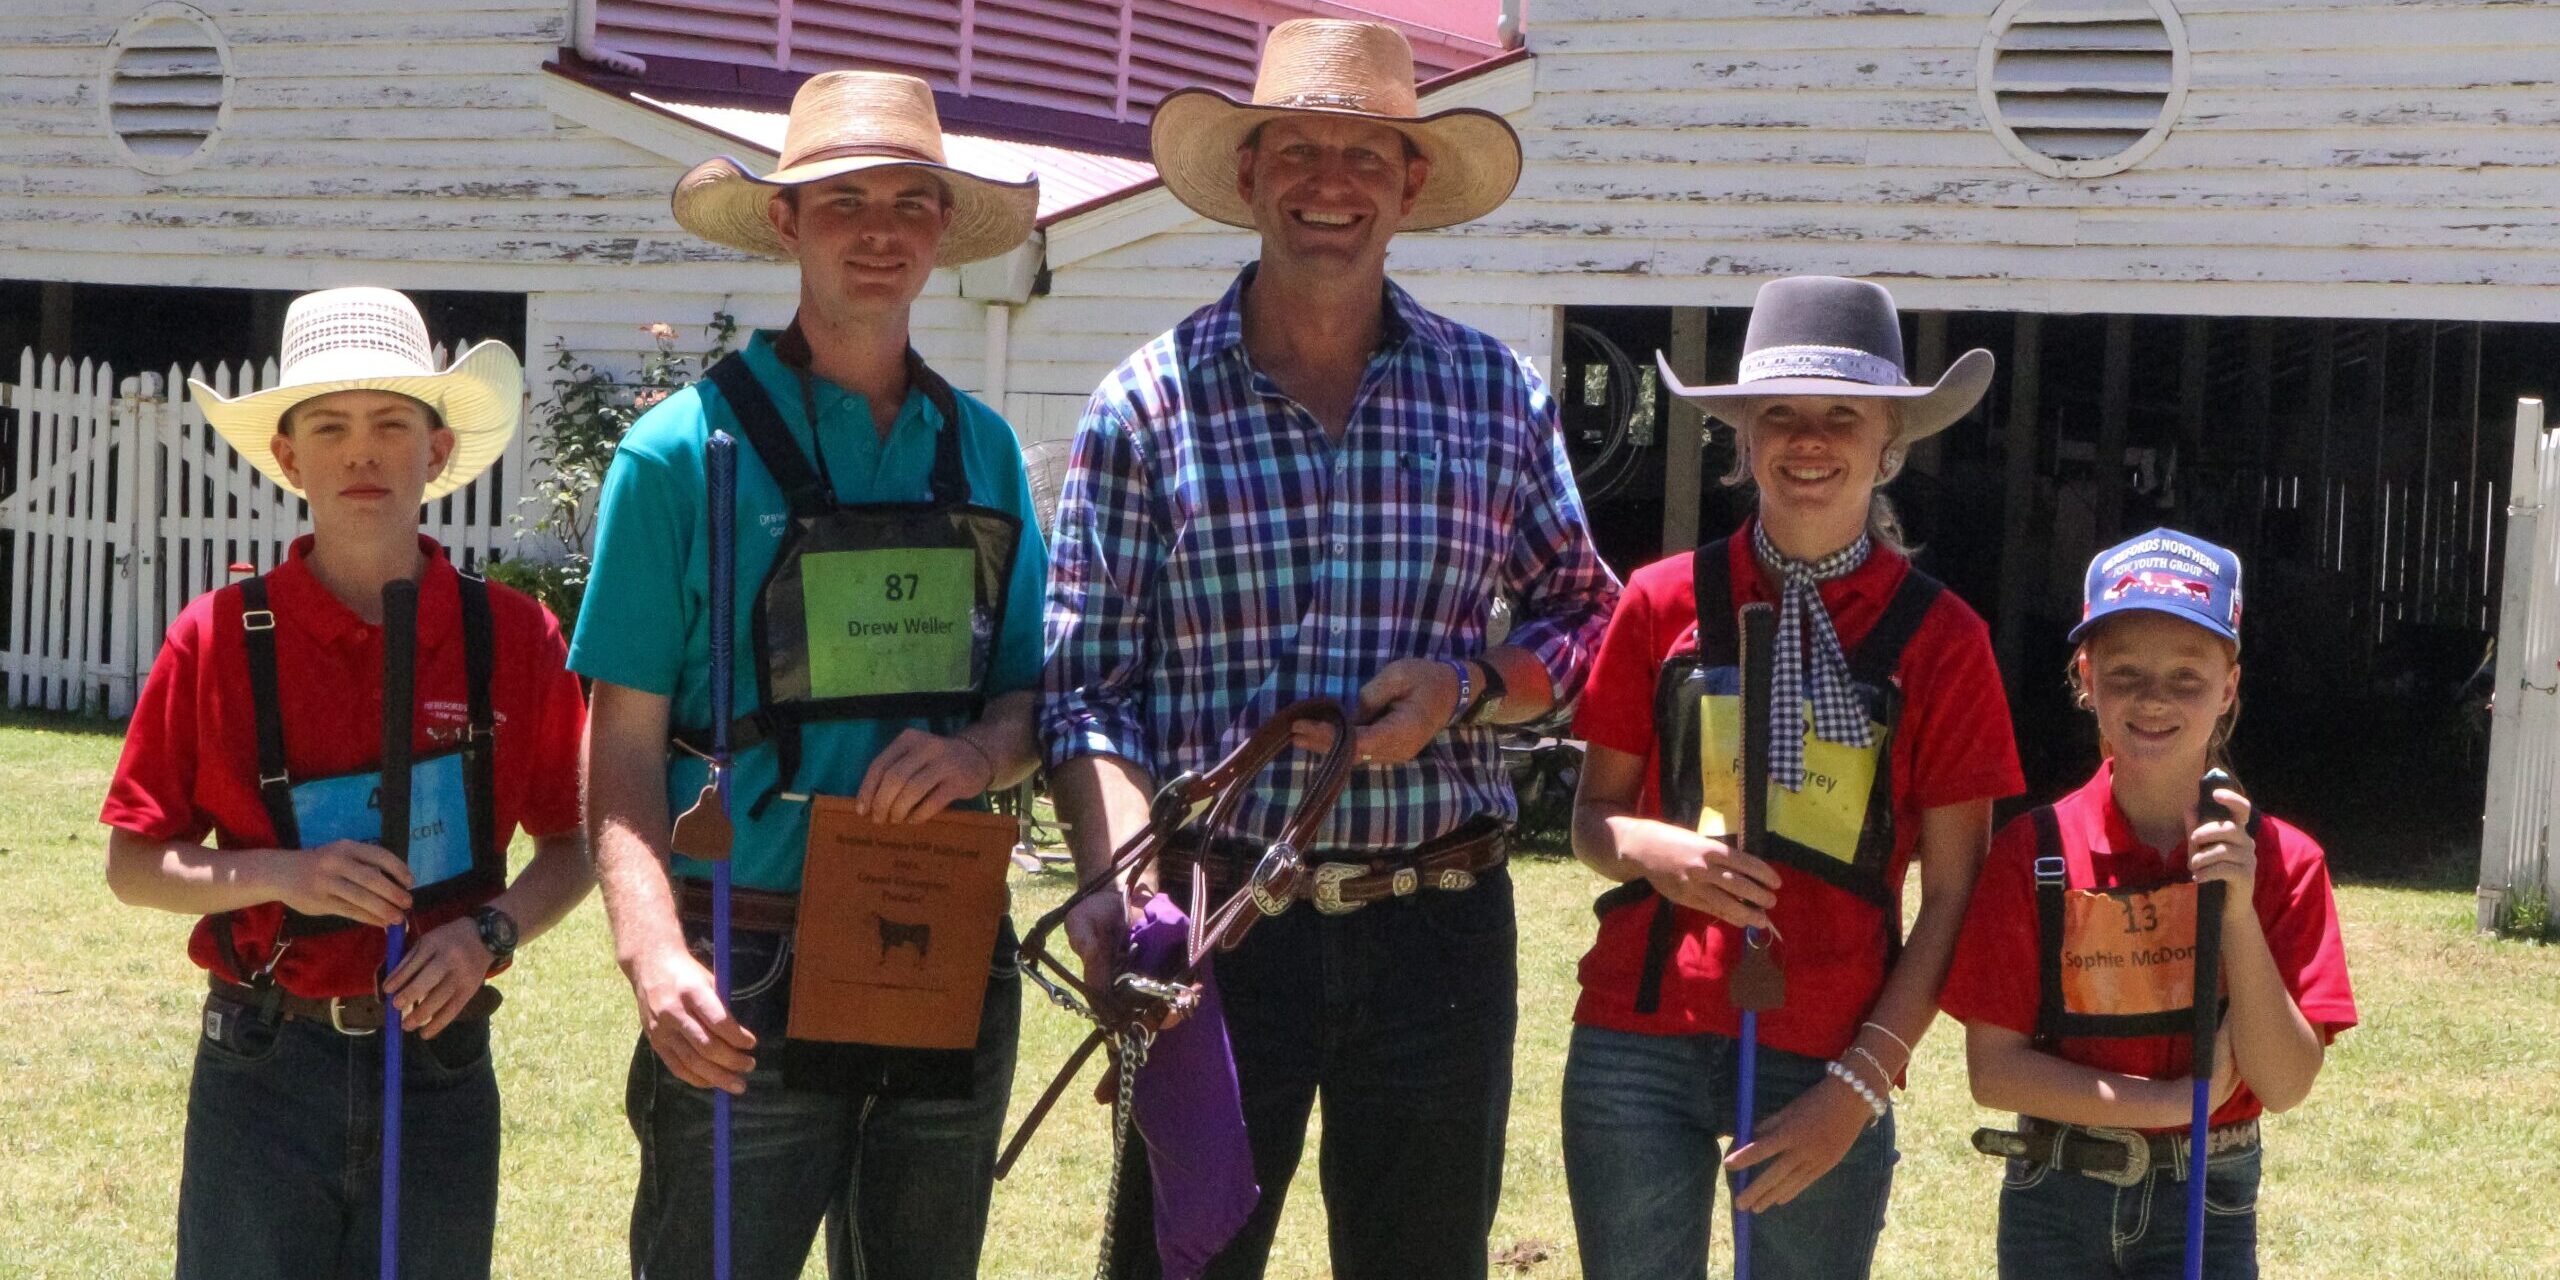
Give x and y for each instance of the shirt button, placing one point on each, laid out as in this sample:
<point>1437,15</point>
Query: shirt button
<point>1341,546</point>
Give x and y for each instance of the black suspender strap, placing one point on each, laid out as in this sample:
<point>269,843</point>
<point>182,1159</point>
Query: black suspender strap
<point>480,744</point>
<point>806,493</point>
<point>1880,650</point>
<point>2052,881</point>
<point>950,478</point>
<point>1711,577</point>
<point>275,784</point>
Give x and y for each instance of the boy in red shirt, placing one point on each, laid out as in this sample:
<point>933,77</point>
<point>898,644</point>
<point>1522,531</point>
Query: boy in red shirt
<point>1891,740</point>
<point>261,727</point>
<point>2099,1171</point>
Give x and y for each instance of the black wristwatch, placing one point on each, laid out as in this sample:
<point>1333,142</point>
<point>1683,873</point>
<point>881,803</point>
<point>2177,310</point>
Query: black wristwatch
<point>1489,698</point>
<point>497,933</point>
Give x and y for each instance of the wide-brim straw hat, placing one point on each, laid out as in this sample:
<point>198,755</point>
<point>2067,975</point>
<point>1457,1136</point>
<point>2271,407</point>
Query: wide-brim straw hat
<point>1329,67</point>
<point>846,122</point>
<point>1828,336</point>
<point>365,339</point>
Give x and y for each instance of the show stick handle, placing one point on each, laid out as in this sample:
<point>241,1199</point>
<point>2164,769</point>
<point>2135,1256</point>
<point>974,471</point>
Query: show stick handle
<point>399,699</point>
<point>1757,984</point>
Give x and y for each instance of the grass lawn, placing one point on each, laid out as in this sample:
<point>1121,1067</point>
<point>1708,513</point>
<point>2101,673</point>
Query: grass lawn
<point>2426,1150</point>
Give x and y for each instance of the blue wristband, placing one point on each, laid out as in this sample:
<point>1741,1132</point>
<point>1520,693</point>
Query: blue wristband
<point>1466,690</point>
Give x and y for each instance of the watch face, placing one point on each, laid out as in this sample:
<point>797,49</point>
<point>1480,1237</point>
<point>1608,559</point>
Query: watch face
<point>497,931</point>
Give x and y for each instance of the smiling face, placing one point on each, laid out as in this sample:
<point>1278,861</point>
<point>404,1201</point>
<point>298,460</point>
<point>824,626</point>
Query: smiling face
<point>866,241</point>
<point>1328,190</point>
<point>362,458</point>
<point>2159,686</point>
<point>1816,460</point>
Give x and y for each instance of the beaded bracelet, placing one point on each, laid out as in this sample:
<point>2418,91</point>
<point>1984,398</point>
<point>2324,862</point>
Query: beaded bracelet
<point>1850,1078</point>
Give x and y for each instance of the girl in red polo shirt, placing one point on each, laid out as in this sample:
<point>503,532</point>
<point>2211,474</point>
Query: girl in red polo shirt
<point>245,797</point>
<point>1891,740</point>
<point>2097,1174</point>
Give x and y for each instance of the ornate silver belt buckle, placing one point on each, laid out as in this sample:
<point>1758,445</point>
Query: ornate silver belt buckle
<point>1453,880</point>
<point>2137,1157</point>
<point>1272,879</point>
<point>1330,878</point>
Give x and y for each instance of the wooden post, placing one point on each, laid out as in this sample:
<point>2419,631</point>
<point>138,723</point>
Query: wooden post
<point>2022,552</point>
<point>1684,434</point>
<point>1928,360</point>
<point>2114,407</point>
<point>55,312</point>
<point>2498,837</point>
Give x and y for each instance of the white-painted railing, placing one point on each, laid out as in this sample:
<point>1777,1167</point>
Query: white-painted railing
<point>122,505</point>
<point>2517,836</point>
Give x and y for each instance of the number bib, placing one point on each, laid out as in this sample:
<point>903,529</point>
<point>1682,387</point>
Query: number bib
<point>882,623</point>
<point>1827,819</point>
<point>349,807</point>
<point>2128,952</point>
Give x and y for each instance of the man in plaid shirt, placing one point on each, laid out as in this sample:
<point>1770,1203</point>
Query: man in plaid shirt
<point>1316,488</point>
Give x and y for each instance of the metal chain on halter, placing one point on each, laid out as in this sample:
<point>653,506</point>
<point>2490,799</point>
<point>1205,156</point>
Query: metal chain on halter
<point>1124,1117</point>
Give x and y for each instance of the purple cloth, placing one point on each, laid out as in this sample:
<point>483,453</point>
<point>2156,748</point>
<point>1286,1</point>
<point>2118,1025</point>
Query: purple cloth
<point>1189,1111</point>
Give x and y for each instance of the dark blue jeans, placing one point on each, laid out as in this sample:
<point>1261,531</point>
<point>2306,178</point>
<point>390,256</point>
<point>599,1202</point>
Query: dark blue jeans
<point>900,1183</point>
<point>1644,1120</point>
<point>282,1177</point>
<point>1399,1016</point>
<point>2054,1222</point>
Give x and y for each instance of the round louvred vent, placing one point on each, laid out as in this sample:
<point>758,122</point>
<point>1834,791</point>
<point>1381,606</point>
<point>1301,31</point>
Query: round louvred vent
<point>2083,88</point>
<point>165,87</point>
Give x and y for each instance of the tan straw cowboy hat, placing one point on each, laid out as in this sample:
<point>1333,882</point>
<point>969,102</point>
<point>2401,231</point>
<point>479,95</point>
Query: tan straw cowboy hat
<point>1328,67</point>
<point>845,122</point>
<point>364,339</point>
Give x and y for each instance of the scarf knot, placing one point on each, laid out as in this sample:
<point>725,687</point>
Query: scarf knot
<point>1809,665</point>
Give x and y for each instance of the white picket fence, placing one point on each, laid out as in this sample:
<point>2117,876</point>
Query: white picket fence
<point>2517,835</point>
<point>125,505</point>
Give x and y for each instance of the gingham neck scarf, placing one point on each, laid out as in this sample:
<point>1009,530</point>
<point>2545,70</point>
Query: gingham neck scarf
<point>1803,623</point>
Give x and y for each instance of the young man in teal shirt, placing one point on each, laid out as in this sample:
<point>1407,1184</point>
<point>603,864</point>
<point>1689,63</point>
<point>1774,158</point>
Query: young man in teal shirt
<point>900,1169</point>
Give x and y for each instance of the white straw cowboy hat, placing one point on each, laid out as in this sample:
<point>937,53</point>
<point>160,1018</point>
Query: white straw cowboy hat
<point>364,339</point>
<point>845,122</point>
<point>1329,67</point>
<point>1826,336</point>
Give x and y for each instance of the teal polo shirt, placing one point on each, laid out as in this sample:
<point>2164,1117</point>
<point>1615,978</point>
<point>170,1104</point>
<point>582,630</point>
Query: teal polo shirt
<point>645,622</point>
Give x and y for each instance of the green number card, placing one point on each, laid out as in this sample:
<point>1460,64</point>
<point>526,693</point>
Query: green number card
<point>888,622</point>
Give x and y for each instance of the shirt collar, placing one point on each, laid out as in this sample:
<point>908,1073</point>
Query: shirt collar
<point>299,598</point>
<point>2104,829</point>
<point>779,358</point>
<point>1219,329</point>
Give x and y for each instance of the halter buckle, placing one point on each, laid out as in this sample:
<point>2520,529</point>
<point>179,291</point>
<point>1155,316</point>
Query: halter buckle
<point>1275,879</point>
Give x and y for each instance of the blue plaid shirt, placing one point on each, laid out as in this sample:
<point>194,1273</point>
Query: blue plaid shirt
<point>1217,557</point>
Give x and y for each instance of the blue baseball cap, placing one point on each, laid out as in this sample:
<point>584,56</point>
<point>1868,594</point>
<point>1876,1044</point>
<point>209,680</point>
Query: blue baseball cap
<point>2167,572</point>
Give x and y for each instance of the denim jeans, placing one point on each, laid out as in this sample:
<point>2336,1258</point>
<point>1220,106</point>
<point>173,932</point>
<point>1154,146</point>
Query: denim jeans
<point>1399,1016</point>
<point>900,1183</point>
<point>1643,1120</point>
<point>2054,1222</point>
<point>282,1177</point>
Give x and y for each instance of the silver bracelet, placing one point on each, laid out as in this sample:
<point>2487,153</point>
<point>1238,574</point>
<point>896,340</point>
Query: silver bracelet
<point>1889,1035</point>
<point>1844,1075</point>
<point>1877,1063</point>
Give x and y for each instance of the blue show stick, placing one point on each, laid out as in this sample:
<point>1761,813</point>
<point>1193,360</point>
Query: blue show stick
<point>399,692</point>
<point>2208,992</point>
<point>1752,990</point>
<point>720,465</point>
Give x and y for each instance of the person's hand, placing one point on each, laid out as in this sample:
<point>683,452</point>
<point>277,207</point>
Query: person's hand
<point>1799,1144</point>
<point>692,1032</point>
<point>439,975</point>
<point>920,775</point>
<point>2223,850</point>
<point>360,882</point>
<point>1402,708</point>
<point>1704,874</point>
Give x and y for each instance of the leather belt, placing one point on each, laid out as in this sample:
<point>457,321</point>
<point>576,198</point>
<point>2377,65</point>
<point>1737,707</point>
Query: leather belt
<point>347,1015</point>
<point>754,910</point>
<point>2122,1157</point>
<point>1340,882</point>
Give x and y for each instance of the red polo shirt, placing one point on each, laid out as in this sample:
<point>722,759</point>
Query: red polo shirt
<point>1995,975</point>
<point>190,763</point>
<point>1953,745</point>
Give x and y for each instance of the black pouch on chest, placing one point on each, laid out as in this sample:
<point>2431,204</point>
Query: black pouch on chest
<point>870,611</point>
<point>2117,963</point>
<point>453,853</point>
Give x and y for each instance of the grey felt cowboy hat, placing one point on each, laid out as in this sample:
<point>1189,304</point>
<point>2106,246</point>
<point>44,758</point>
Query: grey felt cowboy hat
<point>844,122</point>
<point>1333,67</point>
<point>1828,336</point>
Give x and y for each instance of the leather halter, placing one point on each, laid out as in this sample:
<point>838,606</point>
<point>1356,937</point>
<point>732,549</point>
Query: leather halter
<point>1134,1006</point>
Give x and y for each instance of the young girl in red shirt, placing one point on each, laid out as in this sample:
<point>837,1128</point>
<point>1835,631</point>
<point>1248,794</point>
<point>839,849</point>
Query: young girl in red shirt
<point>2076,962</point>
